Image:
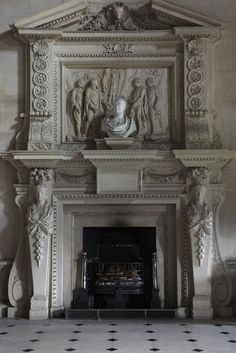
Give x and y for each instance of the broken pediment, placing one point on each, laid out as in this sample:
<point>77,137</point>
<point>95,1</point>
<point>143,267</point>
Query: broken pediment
<point>89,16</point>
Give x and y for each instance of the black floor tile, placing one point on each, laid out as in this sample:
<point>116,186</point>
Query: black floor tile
<point>152,339</point>
<point>112,339</point>
<point>112,349</point>
<point>34,340</point>
<point>192,340</point>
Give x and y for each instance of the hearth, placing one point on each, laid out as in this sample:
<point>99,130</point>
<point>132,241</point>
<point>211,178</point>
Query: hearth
<point>119,268</point>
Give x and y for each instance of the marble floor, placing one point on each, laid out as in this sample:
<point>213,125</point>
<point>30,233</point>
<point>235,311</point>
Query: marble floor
<point>121,336</point>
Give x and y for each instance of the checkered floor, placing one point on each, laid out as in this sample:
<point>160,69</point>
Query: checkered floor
<point>119,336</point>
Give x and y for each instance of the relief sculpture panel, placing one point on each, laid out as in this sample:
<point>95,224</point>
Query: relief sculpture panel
<point>92,96</point>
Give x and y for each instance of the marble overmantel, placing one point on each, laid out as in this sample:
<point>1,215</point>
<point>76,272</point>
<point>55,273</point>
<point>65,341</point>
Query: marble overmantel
<point>81,57</point>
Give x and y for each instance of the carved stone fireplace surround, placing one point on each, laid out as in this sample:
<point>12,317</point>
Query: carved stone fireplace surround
<point>167,176</point>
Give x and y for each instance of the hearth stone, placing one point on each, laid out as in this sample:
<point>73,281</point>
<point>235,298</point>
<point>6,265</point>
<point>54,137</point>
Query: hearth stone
<point>80,299</point>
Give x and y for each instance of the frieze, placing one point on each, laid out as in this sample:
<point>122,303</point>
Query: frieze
<point>176,177</point>
<point>80,179</point>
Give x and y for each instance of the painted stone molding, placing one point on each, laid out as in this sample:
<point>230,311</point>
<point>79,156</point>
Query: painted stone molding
<point>40,214</point>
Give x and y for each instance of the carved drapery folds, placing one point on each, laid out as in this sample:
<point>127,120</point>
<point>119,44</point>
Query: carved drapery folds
<point>200,224</point>
<point>200,216</point>
<point>40,214</point>
<point>40,229</point>
<point>40,131</point>
<point>95,92</point>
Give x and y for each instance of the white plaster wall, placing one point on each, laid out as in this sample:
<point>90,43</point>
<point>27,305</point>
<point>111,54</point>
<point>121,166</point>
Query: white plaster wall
<point>12,103</point>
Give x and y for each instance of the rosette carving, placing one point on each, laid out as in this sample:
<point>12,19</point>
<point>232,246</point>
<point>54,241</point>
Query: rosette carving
<point>40,67</point>
<point>195,64</point>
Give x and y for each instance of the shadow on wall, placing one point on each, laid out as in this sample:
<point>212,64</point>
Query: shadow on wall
<point>9,214</point>
<point>12,90</point>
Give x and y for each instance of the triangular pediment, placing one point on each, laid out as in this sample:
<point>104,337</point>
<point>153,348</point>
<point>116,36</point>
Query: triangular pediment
<point>90,16</point>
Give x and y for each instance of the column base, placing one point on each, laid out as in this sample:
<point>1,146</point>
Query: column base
<point>3,310</point>
<point>182,313</point>
<point>39,308</point>
<point>223,312</point>
<point>202,307</point>
<point>18,312</point>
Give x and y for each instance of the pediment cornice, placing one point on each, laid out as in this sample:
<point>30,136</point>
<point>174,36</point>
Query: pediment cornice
<point>78,18</point>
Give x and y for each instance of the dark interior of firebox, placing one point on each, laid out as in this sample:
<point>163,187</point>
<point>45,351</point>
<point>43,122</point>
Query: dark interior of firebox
<point>119,269</point>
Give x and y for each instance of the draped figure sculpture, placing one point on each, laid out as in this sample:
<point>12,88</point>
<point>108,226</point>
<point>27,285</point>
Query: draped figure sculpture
<point>118,125</point>
<point>76,108</point>
<point>92,106</point>
<point>40,220</point>
<point>200,220</point>
<point>137,111</point>
<point>152,106</point>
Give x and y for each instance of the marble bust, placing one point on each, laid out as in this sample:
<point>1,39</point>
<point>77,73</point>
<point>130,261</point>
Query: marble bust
<point>118,125</point>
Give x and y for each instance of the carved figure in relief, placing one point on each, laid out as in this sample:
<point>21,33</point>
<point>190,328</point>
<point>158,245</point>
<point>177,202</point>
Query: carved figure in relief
<point>151,106</point>
<point>76,108</point>
<point>92,106</point>
<point>118,125</point>
<point>200,220</point>
<point>137,111</point>
<point>39,219</point>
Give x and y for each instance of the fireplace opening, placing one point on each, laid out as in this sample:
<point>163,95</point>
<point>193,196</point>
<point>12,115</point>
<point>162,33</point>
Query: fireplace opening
<point>119,263</point>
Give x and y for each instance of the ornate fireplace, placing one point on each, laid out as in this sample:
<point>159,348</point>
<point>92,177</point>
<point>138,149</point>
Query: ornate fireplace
<point>118,132</point>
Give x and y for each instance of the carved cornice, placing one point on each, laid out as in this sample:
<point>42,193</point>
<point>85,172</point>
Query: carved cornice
<point>72,196</point>
<point>198,33</point>
<point>204,158</point>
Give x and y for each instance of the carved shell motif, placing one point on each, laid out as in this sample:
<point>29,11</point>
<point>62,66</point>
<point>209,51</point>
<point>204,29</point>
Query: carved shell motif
<point>40,48</point>
<point>195,47</point>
